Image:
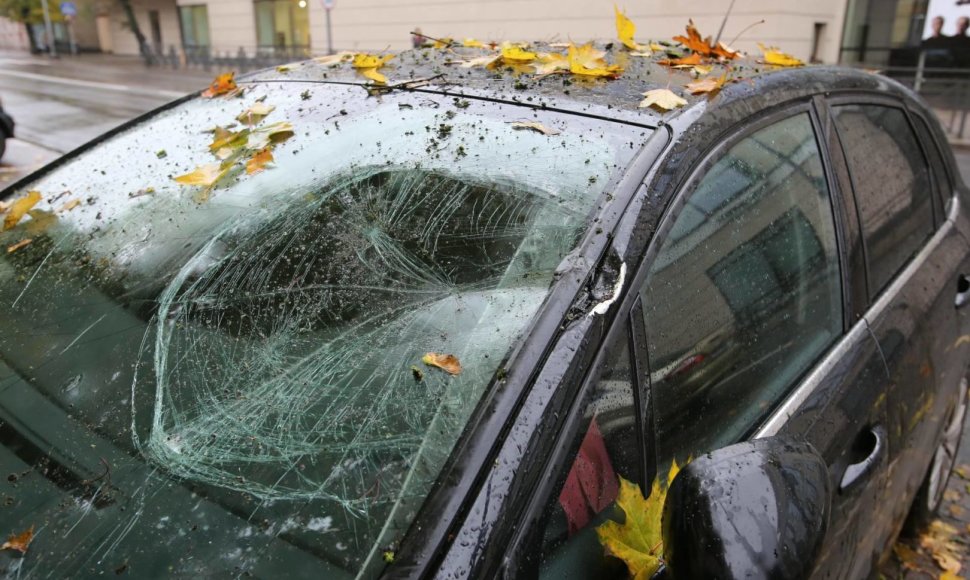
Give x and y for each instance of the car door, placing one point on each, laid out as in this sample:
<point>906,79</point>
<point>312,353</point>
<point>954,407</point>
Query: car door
<point>747,308</point>
<point>913,265</point>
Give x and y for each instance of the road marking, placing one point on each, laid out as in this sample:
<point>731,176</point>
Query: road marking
<point>94,85</point>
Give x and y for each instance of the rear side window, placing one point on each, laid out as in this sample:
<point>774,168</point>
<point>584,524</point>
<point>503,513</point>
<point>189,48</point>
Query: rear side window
<point>744,294</point>
<point>892,186</point>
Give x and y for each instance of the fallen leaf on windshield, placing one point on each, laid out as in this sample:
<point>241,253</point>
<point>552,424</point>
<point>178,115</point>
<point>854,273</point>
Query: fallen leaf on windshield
<point>773,56</point>
<point>479,61</point>
<point>638,540</point>
<point>625,29</point>
<point>205,175</point>
<point>709,85</point>
<point>262,137</point>
<point>19,208</point>
<point>222,85</point>
<point>258,161</point>
<point>538,127</point>
<point>367,65</point>
<point>70,205</point>
<point>586,60</point>
<point>446,362</point>
<point>19,542</point>
<point>18,245</point>
<point>663,99</point>
<point>253,115</point>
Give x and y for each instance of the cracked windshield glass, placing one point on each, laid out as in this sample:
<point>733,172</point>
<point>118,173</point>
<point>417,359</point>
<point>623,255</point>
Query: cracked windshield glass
<point>248,332</point>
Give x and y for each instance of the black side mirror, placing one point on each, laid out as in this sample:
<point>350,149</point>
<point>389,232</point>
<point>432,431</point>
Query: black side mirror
<point>758,509</point>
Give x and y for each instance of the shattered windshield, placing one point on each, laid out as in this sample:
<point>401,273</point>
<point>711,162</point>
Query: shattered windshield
<point>248,333</point>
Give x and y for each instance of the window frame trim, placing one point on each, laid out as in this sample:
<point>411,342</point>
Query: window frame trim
<point>938,216</point>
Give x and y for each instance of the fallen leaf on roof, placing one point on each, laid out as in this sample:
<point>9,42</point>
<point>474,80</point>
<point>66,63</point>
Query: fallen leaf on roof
<point>223,84</point>
<point>551,62</point>
<point>625,29</point>
<point>534,126</point>
<point>515,54</point>
<point>19,208</point>
<point>68,206</point>
<point>254,114</point>
<point>479,61</point>
<point>585,60</point>
<point>703,46</point>
<point>663,99</point>
<point>258,161</point>
<point>709,85</point>
<point>19,542</point>
<point>638,540</point>
<point>472,43</point>
<point>771,55</point>
<point>446,362</point>
<point>13,248</point>
<point>440,43</point>
<point>367,65</point>
<point>690,60</point>
<point>334,59</point>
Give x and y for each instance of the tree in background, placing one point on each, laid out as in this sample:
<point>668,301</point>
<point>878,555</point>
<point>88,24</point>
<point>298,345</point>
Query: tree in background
<point>143,47</point>
<point>29,12</point>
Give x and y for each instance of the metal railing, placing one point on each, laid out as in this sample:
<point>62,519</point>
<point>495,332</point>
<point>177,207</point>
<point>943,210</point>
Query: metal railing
<point>940,77</point>
<point>241,60</point>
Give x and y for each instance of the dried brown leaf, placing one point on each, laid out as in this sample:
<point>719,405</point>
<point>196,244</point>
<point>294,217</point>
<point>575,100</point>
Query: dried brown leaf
<point>446,362</point>
<point>534,126</point>
<point>19,542</point>
<point>19,208</point>
<point>13,248</point>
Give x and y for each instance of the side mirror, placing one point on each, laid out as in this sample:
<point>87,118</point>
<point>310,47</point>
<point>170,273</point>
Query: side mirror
<point>758,509</point>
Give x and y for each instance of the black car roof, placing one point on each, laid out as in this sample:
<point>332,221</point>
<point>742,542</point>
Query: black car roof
<point>439,70</point>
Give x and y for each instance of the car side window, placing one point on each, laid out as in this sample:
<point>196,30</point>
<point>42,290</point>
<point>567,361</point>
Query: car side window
<point>892,186</point>
<point>745,292</point>
<point>604,447</point>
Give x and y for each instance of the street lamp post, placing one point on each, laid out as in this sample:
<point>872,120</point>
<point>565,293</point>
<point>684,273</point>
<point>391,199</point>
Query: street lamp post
<point>328,6</point>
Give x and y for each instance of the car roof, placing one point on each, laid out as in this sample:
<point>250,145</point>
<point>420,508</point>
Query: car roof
<point>440,71</point>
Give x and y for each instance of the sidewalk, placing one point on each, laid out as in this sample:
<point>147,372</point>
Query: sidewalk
<point>108,68</point>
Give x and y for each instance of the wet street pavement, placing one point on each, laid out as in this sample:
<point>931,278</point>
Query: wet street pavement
<point>59,105</point>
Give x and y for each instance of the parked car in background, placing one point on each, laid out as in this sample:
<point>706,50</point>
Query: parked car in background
<point>464,323</point>
<point>6,129</point>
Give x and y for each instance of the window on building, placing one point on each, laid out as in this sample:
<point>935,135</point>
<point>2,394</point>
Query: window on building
<point>194,21</point>
<point>282,24</point>
<point>744,294</point>
<point>892,186</point>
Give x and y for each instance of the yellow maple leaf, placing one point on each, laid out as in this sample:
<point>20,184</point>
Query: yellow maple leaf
<point>516,55</point>
<point>773,56</point>
<point>625,30</point>
<point>19,209</point>
<point>663,99</point>
<point>443,43</point>
<point>204,175</point>
<point>367,65</point>
<point>638,540</point>
<point>587,61</point>
<point>472,43</point>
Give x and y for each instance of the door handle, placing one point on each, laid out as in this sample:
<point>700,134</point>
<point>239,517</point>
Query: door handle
<point>873,440</point>
<point>963,291</point>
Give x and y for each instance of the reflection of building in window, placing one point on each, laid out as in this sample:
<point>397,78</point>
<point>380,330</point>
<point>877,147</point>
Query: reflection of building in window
<point>766,268</point>
<point>282,24</point>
